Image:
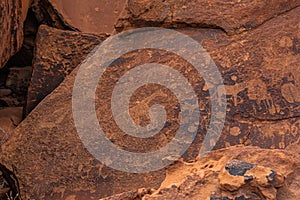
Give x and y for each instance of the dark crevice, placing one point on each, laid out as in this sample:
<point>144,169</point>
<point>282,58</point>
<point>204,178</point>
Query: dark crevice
<point>12,181</point>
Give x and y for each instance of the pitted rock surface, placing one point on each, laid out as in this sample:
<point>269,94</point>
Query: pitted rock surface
<point>204,179</point>
<point>238,168</point>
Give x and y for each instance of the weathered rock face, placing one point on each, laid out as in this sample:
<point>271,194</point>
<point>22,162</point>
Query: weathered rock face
<point>12,16</point>
<point>259,67</point>
<point>48,140</point>
<point>62,166</point>
<point>96,16</point>
<point>231,16</point>
<point>231,174</point>
<point>57,53</point>
<point>257,101</point>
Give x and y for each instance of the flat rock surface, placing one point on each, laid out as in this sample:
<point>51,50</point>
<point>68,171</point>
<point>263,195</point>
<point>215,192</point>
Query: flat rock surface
<point>62,167</point>
<point>96,16</point>
<point>57,54</point>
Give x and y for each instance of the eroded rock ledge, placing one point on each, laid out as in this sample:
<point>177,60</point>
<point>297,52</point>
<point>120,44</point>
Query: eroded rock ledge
<point>229,174</point>
<point>230,16</point>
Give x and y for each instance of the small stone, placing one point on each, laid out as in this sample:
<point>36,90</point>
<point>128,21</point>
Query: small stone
<point>237,167</point>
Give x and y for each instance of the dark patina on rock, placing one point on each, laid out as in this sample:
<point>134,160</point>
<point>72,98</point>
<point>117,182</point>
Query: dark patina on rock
<point>238,167</point>
<point>57,53</point>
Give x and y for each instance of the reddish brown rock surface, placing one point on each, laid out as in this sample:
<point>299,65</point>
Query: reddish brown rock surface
<point>260,71</point>
<point>12,16</point>
<point>231,16</point>
<point>96,16</point>
<point>57,53</point>
<point>62,165</point>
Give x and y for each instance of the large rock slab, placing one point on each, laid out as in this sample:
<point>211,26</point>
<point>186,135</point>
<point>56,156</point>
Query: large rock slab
<point>62,167</point>
<point>231,16</point>
<point>259,67</point>
<point>57,53</point>
<point>12,16</point>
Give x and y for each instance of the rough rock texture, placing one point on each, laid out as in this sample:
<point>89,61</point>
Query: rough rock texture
<point>57,53</point>
<point>259,67</point>
<point>12,16</point>
<point>62,166</point>
<point>9,119</point>
<point>258,80</point>
<point>229,174</point>
<point>231,16</point>
<point>96,16</point>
